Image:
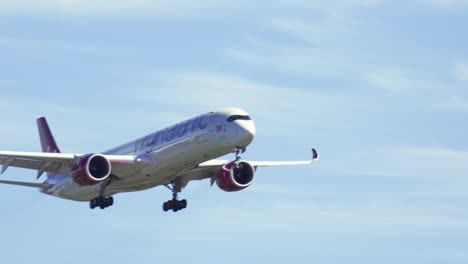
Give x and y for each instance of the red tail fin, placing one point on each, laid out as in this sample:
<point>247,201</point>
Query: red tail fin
<point>47,139</point>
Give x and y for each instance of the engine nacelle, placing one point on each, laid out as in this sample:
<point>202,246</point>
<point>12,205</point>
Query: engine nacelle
<point>232,178</point>
<point>91,169</point>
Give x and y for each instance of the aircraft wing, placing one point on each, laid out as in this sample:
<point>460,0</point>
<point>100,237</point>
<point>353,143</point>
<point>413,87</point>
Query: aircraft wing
<point>220,163</point>
<point>27,184</point>
<point>210,168</point>
<point>60,163</point>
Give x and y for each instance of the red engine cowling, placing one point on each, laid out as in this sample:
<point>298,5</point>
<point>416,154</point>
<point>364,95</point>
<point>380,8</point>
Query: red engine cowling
<point>91,169</point>
<point>233,178</point>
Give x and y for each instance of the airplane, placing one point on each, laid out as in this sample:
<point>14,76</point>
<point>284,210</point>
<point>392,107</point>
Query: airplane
<point>171,157</point>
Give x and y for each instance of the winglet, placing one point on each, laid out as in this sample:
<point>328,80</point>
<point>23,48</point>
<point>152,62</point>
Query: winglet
<point>315,155</point>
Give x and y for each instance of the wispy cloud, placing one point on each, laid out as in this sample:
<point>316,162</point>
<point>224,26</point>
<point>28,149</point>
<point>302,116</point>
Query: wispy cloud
<point>407,161</point>
<point>70,123</point>
<point>397,81</point>
<point>461,72</point>
<point>279,190</point>
<point>275,104</point>
<point>300,219</point>
<point>360,70</point>
<point>319,30</point>
<point>180,9</point>
<point>435,92</point>
<point>294,60</point>
<point>36,44</point>
<point>332,4</point>
<point>452,5</point>
<point>455,103</point>
<point>369,218</point>
<point>105,8</point>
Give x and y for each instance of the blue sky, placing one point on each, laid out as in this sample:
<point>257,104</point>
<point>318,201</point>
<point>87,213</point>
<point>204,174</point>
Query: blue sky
<point>379,87</point>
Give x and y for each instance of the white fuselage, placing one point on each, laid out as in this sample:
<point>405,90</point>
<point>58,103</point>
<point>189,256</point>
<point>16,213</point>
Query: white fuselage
<point>166,154</point>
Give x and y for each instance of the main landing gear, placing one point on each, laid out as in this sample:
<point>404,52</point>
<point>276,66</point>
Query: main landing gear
<point>101,201</point>
<point>174,204</point>
<point>176,187</point>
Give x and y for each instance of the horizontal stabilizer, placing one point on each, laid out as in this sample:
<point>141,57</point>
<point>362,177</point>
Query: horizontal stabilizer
<point>27,184</point>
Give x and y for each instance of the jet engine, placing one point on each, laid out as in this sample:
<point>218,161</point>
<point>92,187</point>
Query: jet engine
<point>235,176</point>
<point>91,169</point>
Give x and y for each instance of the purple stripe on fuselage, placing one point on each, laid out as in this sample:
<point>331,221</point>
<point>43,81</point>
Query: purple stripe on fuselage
<point>150,142</point>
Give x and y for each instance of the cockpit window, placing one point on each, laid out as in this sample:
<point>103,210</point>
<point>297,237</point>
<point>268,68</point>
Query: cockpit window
<point>238,117</point>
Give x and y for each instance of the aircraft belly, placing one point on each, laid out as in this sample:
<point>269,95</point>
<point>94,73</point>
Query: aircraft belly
<point>73,191</point>
<point>169,162</point>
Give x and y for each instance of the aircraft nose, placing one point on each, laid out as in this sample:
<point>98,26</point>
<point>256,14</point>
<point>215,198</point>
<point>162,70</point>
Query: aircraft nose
<point>247,130</point>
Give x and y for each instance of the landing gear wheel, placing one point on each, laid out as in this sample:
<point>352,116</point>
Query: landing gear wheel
<point>92,204</point>
<point>174,204</point>
<point>109,201</point>
<point>101,202</point>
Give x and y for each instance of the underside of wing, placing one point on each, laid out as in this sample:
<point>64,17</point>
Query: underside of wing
<point>42,162</point>
<point>315,157</point>
<point>211,168</point>
<point>220,163</point>
<point>27,184</point>
<point>58,163</point>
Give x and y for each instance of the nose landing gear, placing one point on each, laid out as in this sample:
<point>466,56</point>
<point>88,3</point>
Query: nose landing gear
<point>238,151</point>
<point>238,155</point>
